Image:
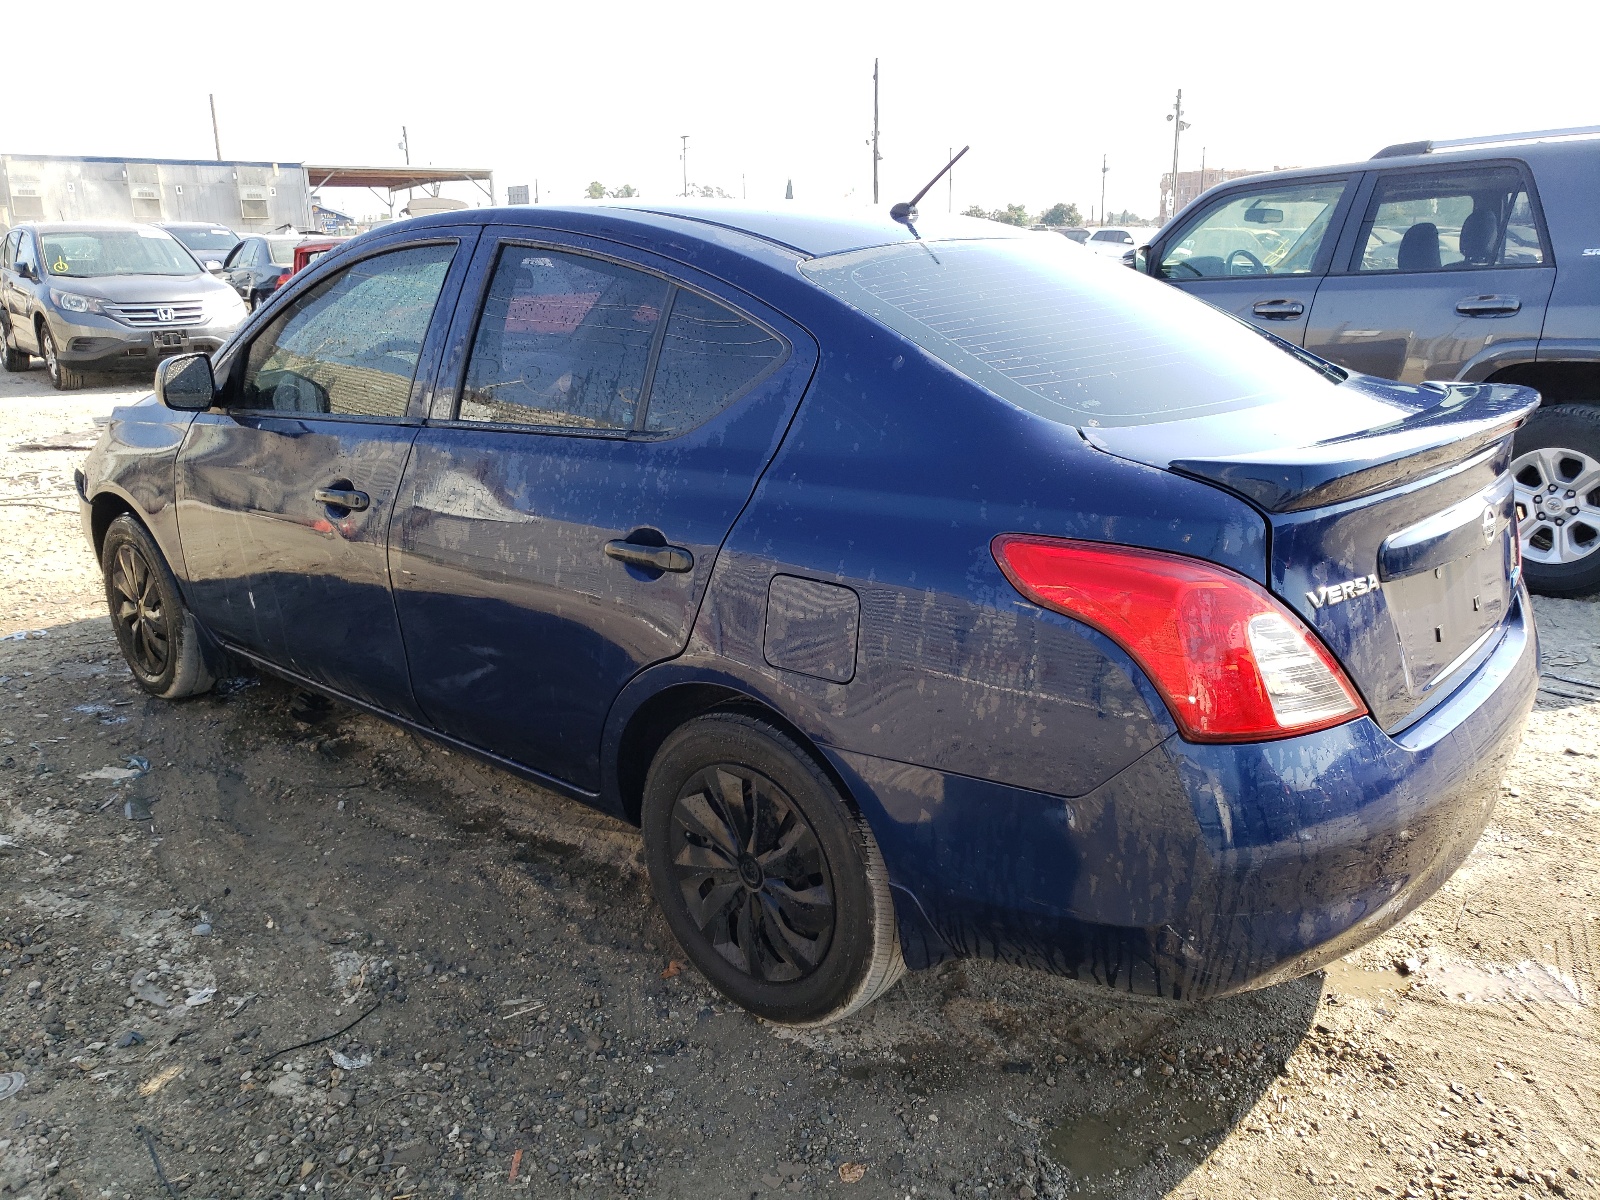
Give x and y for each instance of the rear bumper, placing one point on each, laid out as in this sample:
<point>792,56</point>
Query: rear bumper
<point>1203,870</point>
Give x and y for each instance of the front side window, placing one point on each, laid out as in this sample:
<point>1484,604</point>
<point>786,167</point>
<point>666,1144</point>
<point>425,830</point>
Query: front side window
<point>27,255</point>
<point>9,253</point>
<point>564,340</point>
<point>1041,326</point>
<point>1450,221</point>
<point>97,253</point>
<point>350,345</point>
<point>1268,231</point>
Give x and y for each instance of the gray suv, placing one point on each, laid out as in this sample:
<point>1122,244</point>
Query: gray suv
<point>1474,260</point>
<point>106,297</point>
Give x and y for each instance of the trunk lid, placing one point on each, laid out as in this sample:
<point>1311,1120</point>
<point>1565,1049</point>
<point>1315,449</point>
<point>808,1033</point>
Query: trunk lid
<point>1391,517</point>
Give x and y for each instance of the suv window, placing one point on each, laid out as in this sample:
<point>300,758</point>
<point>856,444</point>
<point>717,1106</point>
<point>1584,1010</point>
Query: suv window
<point>1266,231</point>
<point>350,345</point>
<point>8,255</point>
<point>1450,221</point>
<point>564,340</point>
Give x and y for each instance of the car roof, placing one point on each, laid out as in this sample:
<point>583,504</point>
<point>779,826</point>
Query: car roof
<point>192,225</point>
<point>808,232</point>
<point>85,226</point>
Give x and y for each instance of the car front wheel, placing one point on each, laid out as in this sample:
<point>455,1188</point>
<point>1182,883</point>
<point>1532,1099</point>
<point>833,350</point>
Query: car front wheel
<point>1556,472</point>
<point>62,377</point>
<point>772,883</point>
<point>157,634</point>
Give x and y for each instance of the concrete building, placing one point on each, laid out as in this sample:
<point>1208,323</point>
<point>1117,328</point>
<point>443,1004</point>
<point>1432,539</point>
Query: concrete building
<point>247,196</point>
<point>1191,184</point>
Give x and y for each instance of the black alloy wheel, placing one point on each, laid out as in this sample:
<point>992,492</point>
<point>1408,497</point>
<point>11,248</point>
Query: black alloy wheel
<point>752,873</point>
<point>770,878</point>
<point>158,637</point>
<point>143,623</point>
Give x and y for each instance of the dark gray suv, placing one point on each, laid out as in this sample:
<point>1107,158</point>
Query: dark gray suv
<point>1473,260</point>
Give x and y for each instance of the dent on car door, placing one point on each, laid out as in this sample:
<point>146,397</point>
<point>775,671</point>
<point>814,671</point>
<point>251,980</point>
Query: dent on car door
<point>557,533</point>
<point>1259,252</point>
<point>285,494</point>
<point>1447,276</point>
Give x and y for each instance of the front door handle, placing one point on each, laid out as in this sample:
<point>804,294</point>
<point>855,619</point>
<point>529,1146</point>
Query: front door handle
<point>1488,306</point>
<point>653,558</point>
<point>347,498</point>
<point>1279,310</point>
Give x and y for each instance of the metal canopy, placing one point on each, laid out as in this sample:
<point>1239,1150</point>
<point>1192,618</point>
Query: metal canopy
<point>392,178</point>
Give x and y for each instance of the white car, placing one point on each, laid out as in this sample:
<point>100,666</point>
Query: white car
<point>1111,242</point>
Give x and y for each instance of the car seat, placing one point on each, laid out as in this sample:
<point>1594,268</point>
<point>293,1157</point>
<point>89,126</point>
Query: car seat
<point>1477,238</point>
<point>1419,248</point>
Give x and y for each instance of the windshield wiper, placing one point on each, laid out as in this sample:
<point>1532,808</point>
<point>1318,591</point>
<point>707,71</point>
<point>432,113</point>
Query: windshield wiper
<point>906,211</point>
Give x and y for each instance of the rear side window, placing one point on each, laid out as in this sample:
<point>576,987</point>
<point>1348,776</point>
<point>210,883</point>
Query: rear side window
<point>1450,221</point>
<point>350,345</point>
<point>1066,336</point>
<point>1267,231</point>
<point>569,341</point>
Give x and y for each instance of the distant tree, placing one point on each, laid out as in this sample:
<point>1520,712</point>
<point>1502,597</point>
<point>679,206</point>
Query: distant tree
<point>1012,214</point>
<point>597,190</point>
<point>706,192</point>
<point>1061,214</point>
<point>977,210</point>
<point>1124,218</point>
<point>624,192</point>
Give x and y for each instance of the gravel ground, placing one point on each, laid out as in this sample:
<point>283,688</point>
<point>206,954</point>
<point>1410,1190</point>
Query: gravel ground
<point>254,945</point>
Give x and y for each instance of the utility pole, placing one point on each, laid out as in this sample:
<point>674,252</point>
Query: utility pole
<point>685,157</point>
<point>1103,171</point>
<point>950,205</point>
<point>875,155</point>
<point>216,138</point>
<point>1178,126</point>
<point>405,144</point>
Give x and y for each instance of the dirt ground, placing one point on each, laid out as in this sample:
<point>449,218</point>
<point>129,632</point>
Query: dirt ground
<point>255,946</point>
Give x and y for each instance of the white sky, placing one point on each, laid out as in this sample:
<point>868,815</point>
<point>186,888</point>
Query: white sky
<point>570,92</point>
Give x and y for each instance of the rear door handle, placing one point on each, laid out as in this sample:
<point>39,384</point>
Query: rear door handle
<point>1488,306</point>
<point>343,498</point>
<point>1279,310</point>
<point>655,558</point>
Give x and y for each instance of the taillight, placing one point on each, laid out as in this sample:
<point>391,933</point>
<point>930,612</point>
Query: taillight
<point>281,280</point>
<point>1232,663</point>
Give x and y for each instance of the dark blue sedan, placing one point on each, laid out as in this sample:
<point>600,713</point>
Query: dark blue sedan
<point>921,592</point>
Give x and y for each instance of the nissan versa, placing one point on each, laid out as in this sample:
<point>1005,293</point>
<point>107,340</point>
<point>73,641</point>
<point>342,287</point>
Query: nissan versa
<point>921,592</point>
<point>106,297</point>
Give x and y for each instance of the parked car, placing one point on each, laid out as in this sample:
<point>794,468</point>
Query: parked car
<point>209,243</point>
<point>311,249</point>
<point>259,264</point>
<point>1111,243</point>
<point>105,297</point>
<point>1075,234</point>
<point>1472,260</point>
<point>919,596</point>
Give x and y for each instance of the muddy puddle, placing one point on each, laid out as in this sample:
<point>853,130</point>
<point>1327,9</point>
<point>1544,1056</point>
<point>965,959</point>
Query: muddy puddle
<point>1103,1151</point>
<point>1526,982</point>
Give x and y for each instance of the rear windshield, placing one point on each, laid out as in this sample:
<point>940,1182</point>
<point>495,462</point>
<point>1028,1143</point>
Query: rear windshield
<point>282,251</point>
<point>1073,338</point>
<point>199,240</point>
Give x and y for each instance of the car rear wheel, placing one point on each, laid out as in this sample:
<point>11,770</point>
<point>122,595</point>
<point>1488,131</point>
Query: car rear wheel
<point>1556,472</point>
<point>157,634</point>
<point>14,359</point>
<point>772,883</point>
<point>63,378</point>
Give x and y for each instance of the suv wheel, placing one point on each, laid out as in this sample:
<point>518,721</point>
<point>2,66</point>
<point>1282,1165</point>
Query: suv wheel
<point>772,883</point>
<point>63,378</point>
<point>1556,470</point>
<point>157,634</point>
<point>14,359</point>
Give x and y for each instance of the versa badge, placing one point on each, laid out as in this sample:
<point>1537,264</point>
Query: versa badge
<point>1337,593</point>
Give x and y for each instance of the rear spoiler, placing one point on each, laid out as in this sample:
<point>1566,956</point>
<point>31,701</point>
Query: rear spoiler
<point>1469,419</point>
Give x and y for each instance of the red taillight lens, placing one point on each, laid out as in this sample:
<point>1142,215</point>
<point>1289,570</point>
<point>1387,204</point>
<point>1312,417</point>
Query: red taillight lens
<point>281,280</point>
<point>1232,663</point>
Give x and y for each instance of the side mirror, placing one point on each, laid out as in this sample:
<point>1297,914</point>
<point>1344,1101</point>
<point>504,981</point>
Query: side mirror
<point>27,272</point>
<point>184,383</point>
<point>213,266</point>
<point>1141,261</point>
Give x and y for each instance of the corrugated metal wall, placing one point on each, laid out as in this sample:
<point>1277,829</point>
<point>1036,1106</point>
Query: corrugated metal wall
<point>243,196</point>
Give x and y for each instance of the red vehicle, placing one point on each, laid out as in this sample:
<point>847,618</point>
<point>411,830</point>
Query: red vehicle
<point>308,251</point>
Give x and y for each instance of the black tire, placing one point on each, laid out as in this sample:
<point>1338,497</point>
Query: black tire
<point>158,635</point>
<point>1556,470</point>
<point>63,378</point>
<point>805,947</point>
<point>13,359</point>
